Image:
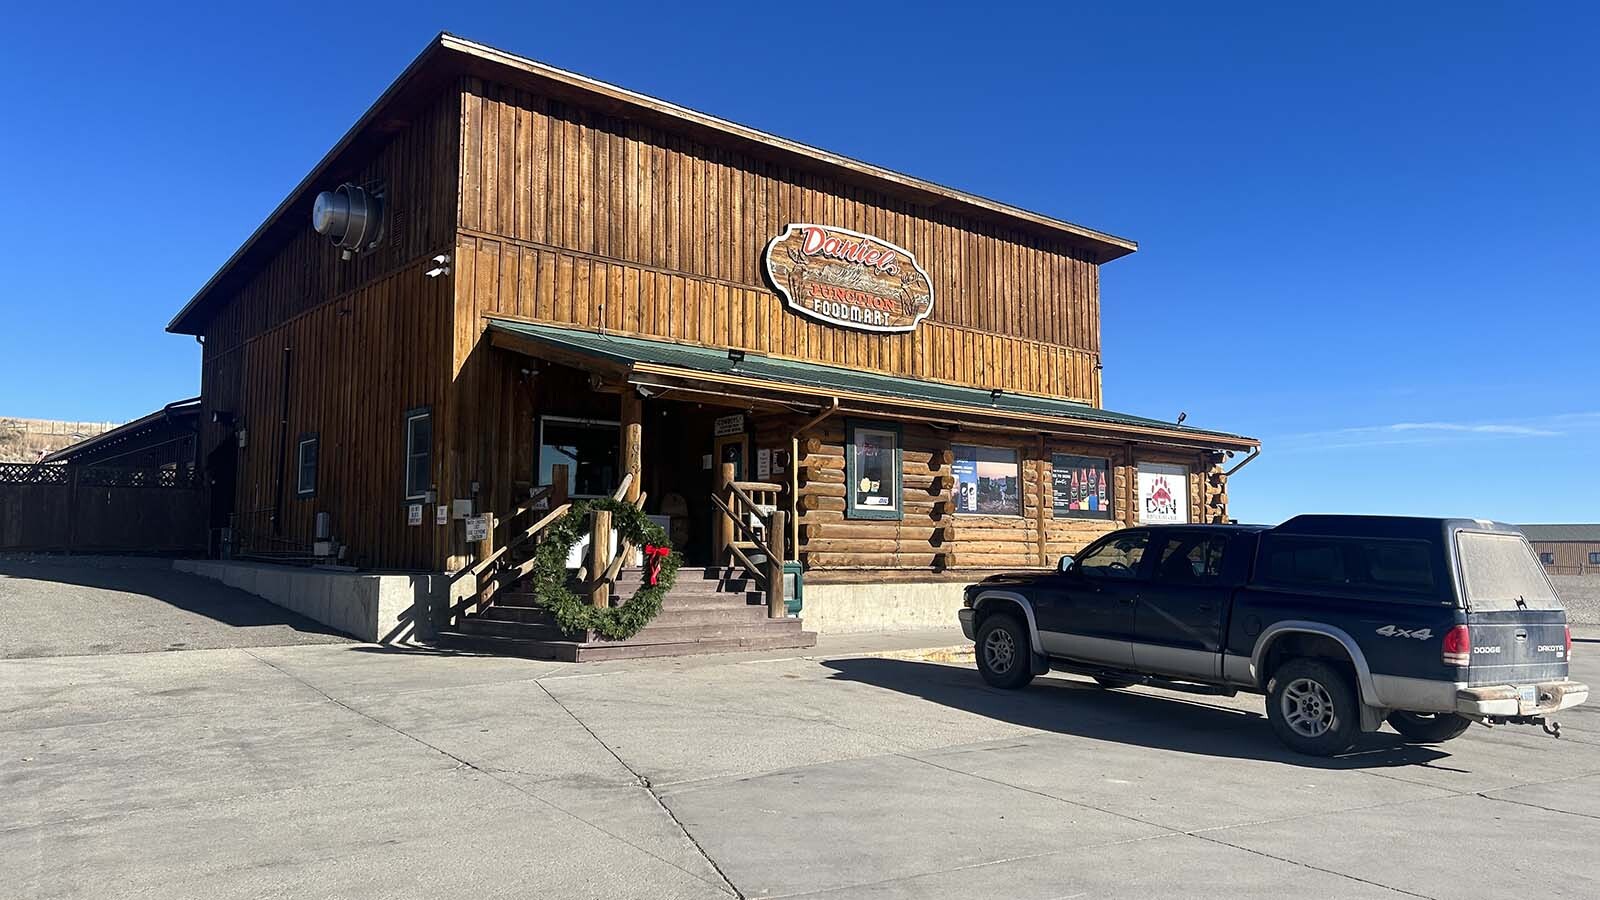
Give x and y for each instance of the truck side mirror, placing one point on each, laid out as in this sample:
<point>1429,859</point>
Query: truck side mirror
<point>1063,564</point>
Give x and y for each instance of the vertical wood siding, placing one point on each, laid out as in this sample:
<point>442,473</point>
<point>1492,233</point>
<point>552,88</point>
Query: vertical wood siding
<point>581,218</point>
<point>366,340</point>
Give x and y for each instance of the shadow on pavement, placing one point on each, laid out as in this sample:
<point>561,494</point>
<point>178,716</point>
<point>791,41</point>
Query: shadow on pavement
<point>1082,709</point>
<point>190,593</point>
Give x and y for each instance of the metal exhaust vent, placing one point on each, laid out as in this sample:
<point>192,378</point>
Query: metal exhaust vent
<point>351,217</point>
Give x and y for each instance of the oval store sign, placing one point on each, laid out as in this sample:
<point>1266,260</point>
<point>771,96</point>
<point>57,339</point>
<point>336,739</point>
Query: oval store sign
<point>848,279</point>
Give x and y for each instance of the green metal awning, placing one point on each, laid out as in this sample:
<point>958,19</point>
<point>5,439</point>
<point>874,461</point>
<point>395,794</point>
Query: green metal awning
<point>640,359</point>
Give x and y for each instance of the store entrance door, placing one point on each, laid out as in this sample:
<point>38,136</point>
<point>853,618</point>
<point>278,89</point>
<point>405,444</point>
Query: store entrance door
<point>731,448</point>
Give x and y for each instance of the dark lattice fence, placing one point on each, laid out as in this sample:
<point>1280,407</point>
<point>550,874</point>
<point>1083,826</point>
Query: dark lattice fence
<point>101,509</point>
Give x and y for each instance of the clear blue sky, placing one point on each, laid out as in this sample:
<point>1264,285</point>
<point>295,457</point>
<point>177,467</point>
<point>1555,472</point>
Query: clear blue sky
<point>1369,236</point>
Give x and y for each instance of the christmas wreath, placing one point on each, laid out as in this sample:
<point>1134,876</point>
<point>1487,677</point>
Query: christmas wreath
<point>548,580</point>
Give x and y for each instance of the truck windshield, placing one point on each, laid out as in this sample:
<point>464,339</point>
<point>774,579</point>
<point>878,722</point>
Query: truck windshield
<point>1499,570</point>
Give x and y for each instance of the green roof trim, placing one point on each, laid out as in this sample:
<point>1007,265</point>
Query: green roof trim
<point>819,378</point>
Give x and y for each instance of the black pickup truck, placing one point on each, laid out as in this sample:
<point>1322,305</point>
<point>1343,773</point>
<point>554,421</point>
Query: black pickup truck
<point>1343,622</point>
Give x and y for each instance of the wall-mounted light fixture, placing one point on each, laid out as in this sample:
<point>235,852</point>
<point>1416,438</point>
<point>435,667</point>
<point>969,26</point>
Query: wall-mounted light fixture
<point>441,266</point>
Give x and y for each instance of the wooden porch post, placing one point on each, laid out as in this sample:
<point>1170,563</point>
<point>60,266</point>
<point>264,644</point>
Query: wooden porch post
<point>599,557</point>
<point>632,440</point>
<point>723,526</point>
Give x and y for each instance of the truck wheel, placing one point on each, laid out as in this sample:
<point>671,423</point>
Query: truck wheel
<point>1428,728</point>
<point>1313,708</point>
<point>1003,652</point>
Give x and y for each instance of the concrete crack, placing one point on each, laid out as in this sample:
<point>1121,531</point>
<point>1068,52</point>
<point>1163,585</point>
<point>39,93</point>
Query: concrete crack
<point>463,763</point>
<point>644,782</point>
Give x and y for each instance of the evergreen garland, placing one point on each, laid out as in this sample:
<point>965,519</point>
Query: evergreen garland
<point>548,580</point>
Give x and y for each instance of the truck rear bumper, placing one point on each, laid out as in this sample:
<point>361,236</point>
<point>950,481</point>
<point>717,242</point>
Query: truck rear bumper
<point>1520,700</point>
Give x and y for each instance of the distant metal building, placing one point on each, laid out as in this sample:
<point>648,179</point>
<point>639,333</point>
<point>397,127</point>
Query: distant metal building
<point>1566,549</point>
<point>165,438</point>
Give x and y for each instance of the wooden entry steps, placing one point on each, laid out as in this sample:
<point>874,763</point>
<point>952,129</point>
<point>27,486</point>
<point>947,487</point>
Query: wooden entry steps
<point>711,610</point>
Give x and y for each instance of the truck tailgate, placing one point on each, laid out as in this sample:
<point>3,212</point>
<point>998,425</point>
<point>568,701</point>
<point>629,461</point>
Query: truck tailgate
<point>1513,646</point>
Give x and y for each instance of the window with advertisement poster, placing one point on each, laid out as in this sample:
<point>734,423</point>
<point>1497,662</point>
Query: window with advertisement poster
<point>872,471</point>
<point>1080,486</point>
<point>1163,494</point>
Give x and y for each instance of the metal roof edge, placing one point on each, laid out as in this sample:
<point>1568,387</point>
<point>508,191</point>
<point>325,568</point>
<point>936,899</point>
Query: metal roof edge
<point>581,340</point>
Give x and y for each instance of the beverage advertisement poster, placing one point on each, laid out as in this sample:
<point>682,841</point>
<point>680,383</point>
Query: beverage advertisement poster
<point>1163,494</point>
<point>988,481</point>
<point>1080,487</point>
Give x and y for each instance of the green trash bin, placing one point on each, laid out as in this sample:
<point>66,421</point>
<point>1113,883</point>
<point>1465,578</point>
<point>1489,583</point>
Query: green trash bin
<point>794,587</point>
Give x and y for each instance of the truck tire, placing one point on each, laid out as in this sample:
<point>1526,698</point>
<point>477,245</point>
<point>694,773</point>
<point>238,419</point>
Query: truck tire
<point>1004,652</point>
<point>1313,707</point>
<point>1428,728</point>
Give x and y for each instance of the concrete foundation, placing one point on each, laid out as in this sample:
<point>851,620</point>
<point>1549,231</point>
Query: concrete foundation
<point>876,606</point>
<point>376,607</point>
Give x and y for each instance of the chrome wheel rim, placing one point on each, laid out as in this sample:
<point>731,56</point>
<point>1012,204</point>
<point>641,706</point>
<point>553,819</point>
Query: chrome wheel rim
<point>1308,708</point>
<point>999,650</point>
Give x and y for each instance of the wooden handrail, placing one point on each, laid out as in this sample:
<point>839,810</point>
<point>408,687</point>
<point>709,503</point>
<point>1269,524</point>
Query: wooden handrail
<point>735,533</point>
<point>750,539</point>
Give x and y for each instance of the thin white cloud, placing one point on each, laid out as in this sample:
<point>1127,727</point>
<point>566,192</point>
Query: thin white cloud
<point>1406,433</point>
<point>1462,428</point>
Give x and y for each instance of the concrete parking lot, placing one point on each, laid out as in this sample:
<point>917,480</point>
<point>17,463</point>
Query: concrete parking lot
<point>349,770</point>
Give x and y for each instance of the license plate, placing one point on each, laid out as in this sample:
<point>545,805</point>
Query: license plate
<point>1527,699</point>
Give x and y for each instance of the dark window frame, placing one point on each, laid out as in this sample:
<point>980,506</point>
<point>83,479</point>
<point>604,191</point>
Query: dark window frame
<point>1546,558</point>
<point>886,513</point>
<point>1594,557</point>
<point>612,425</point>
<point>1022,488</point>
<point>412,415</point>
<point>1104,515</point>
<point>314,440</point>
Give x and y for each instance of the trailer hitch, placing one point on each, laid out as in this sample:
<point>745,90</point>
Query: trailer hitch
<point>1551,728</point>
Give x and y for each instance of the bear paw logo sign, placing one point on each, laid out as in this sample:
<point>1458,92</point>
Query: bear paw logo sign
<point>848,279</point>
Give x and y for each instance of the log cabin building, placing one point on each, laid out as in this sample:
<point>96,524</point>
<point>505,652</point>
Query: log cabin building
<point>526,276</point>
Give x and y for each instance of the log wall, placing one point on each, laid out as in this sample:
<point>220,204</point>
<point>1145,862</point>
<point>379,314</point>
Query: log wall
<point>931,535</point>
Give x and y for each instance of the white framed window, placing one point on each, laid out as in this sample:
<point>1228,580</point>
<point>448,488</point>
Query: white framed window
<point>591,449</point>
<point>306,452</point>
<point>1163,494</point>
<point>419,452</point>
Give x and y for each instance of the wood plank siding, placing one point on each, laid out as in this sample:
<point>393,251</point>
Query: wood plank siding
<point>575,217</point>
<point>362,341</point>
<point>563,201</point>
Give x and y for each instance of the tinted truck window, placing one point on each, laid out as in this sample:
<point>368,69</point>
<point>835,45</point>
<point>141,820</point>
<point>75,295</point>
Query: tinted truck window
<point>1497,569</point>
<point>1329,563</point>
<point>1190,558</point>
<point>1116,558</point>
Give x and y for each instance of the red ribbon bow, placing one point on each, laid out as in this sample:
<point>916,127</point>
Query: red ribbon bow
<point>653,556</point>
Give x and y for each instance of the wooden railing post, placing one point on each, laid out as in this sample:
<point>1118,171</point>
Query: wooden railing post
<point>723,531</point>
<point>558,484</point>
<point>599,557</point>
<point>775,542</point>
